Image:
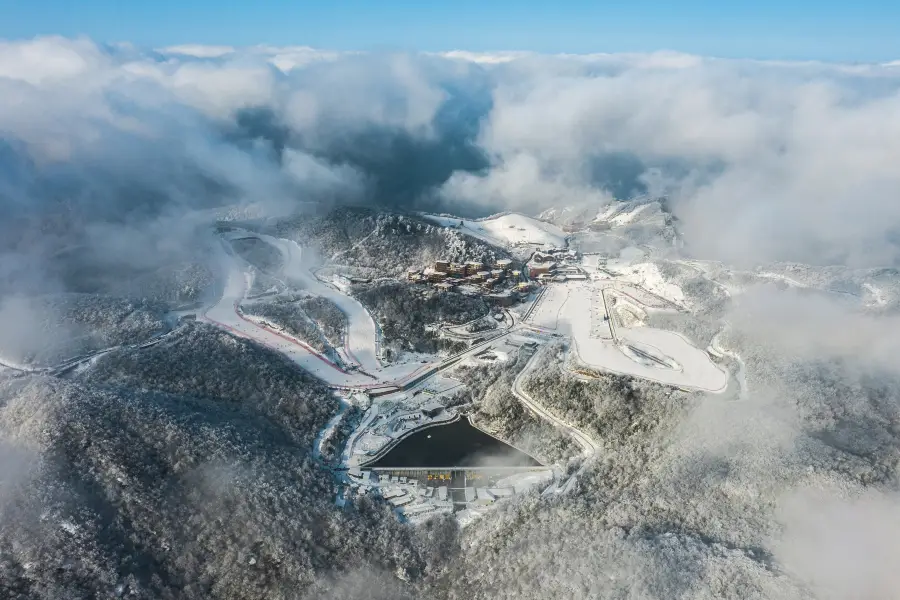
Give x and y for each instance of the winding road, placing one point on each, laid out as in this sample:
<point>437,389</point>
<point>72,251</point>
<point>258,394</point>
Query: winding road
<point>362,334</point>
<point>588,445</point>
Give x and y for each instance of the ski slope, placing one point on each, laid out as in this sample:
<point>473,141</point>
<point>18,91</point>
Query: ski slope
<point>361,340</point>
<point>647,276</point>
<point>362,335</point>
<point>512,228</point>
<point>573,309</point>
<point>224,313</point>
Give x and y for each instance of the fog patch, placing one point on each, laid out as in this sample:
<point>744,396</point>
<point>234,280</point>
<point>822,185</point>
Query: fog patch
<point>843,543</point>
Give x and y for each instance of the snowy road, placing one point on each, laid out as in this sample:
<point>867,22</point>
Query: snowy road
<point>224,314</point>
<point>588,445</point>
<point>361,338</point>
<point>361,331</point>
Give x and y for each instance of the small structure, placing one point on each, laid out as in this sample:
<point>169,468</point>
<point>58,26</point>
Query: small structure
<point>485,494</point>
<point>445,286</point>
<point>435,276</point>
<point>503,263</point>
<point>502,299</point>
<point>540,269</point>
<point>473,266</point>
<point>457,270</point>
<point>432,409</point>
<point>497,273</point>
<point>442,266</point>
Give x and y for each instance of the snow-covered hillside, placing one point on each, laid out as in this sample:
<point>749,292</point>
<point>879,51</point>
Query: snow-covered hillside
<point>508,229</point>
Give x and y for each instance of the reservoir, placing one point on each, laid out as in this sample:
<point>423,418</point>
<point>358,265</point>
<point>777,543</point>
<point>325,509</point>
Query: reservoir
<point>457,444</point>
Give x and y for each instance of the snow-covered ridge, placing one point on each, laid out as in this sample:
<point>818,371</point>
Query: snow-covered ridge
<point>507,229</point>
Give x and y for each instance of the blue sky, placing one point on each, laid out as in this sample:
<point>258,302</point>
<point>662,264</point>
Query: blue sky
<point>853,30</point>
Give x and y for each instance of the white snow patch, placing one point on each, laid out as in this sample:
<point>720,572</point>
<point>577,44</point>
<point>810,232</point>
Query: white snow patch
<point>224,313</point>
<point>626,217</point>
<point>647,276</point>
<point>779,277</point>
<point>606,212</point>
<point>522,482</point>
<point>573,309</point>
<point>69,527</point>
<point>512,228</point>
<point>876,295</point>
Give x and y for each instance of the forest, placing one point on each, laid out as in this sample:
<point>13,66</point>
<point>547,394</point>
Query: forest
<point>186,472</point>
<point>408,314</point>
<point>313,319</point>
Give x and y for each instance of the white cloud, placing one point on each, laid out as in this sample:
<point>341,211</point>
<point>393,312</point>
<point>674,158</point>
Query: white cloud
<point>766,161</point>
<point>842,543</point>
<point>50,59</point>
<point>487,58</point>
<point>198,50</point>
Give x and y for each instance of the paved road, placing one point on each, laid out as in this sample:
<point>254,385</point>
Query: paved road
<point>588,445</point>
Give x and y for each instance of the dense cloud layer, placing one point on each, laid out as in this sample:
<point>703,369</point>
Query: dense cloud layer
<point>115,160</point>
<point>763,161</point>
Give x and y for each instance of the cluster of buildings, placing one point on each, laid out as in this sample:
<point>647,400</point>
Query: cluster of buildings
<point>418,495</point>
<point>409,498</point>
<point>472,275</point>
<point>555,265</point>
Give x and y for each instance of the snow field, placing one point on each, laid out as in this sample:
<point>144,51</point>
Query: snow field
<point>511,228</point>
<point>647,276</point>
<point>224,313</point>
<point>663,356</point>
<point>362,334</point>
<point>546,314</point>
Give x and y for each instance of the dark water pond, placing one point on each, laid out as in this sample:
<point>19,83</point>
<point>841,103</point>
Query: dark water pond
<point>455,445</point>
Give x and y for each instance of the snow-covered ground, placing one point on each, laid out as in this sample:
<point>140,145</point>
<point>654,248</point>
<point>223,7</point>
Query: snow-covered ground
<point>627,216</point>
<point>329,429</point>
<point>522,482</point>
<point>362,334</point>
<point>224,313</point>
<point>627,256</point>
<point>663,356</point>
<point>13,365</point>
<point>513,229</point>
<point>875,296</point>
<point>549,307</point>
<point>648,277</point>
